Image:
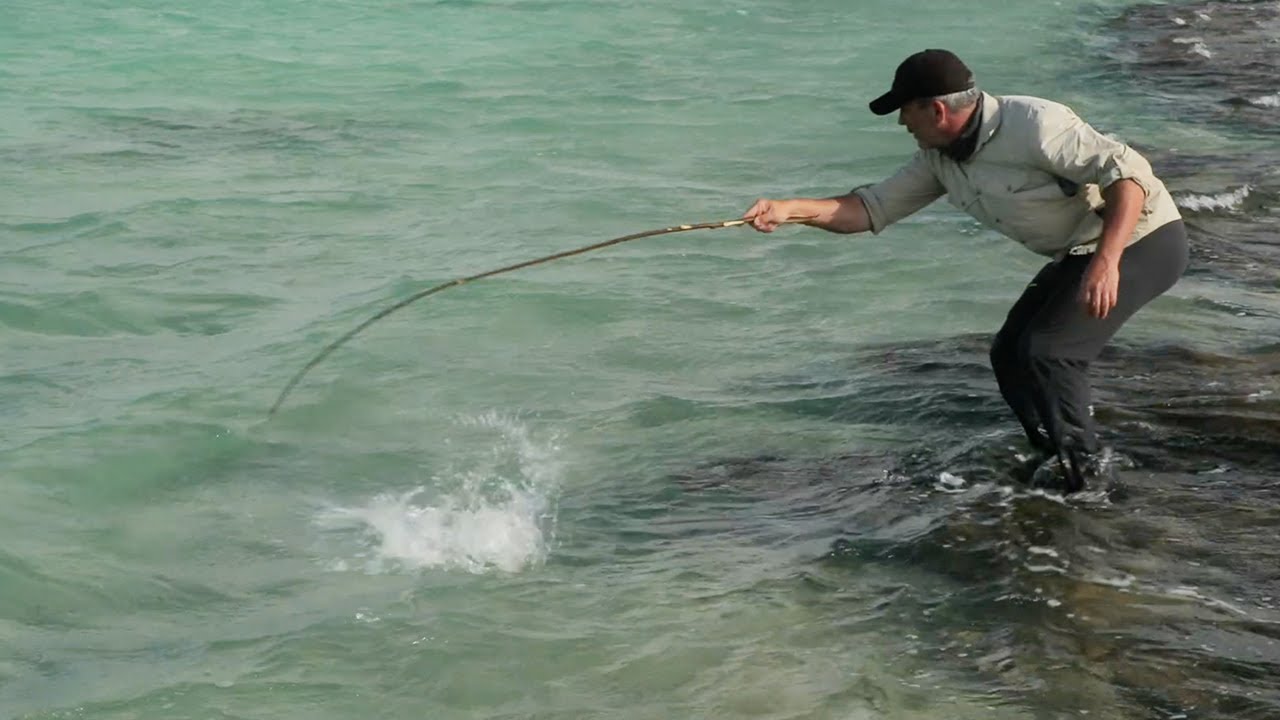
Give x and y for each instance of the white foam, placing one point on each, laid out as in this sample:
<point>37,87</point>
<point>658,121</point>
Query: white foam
<point>1195,594</point>
<point>950,483</point>
<point>487,518</point>
<point>1043,494</point>
<point>1091,497</point>
<point>1198,46</point>
<point>1121,582</point>
<point>1267,101</point>
<point>1221,201</point>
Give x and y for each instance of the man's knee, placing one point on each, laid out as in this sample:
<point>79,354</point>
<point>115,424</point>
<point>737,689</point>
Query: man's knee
<point>1050,366</point>
<point>1043,353</point>
<point>1004,353</point>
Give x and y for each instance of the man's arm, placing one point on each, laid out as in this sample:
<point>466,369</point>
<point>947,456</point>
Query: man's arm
<point>870,207</point>
<point>1124,200</point>
<point>1071,148</point>
<point>842,214</point>
<point>1100,286</point>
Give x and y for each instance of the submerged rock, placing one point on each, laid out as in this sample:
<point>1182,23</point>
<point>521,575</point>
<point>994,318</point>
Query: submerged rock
<point>1166,601</point>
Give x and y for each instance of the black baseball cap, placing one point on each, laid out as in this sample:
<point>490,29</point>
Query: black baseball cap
<point>928,73</point>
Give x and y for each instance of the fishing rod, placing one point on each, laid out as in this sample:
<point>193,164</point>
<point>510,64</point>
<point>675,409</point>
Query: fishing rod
<point>460,281</point>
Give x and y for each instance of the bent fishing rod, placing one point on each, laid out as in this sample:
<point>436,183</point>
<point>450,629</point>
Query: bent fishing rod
<point>461,281</point>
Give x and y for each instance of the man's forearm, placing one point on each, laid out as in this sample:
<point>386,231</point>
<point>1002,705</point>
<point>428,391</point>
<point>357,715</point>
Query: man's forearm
<point>1124,206</point>
<point>843,214</point>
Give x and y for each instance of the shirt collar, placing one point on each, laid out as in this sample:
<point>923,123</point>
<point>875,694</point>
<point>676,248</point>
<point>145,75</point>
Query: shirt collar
<point>990,120</point>
<point>963,146</point>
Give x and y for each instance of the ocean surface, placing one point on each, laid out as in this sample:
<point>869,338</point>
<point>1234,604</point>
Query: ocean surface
<point>715,474</point>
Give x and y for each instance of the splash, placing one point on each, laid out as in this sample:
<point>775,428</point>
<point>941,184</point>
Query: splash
<point>497,515</point>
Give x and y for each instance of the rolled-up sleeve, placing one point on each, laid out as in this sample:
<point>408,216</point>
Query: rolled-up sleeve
<point>1070,148</point>
<point>908,190</point>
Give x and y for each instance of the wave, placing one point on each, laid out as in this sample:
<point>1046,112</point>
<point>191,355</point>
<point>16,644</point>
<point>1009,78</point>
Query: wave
<point>1228,200</point>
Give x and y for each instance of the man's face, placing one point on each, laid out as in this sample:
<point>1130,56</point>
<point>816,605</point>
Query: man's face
<point>922,119</point>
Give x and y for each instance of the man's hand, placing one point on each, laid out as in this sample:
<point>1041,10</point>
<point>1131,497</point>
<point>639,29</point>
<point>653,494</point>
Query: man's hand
<point>1100,286</point>
<point>844,214</point>
<point>767,215</point>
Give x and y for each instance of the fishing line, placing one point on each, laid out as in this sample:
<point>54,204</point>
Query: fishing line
<point>460,281</point>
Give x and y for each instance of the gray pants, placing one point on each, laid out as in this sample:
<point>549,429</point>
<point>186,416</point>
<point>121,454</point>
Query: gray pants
<point>1042,353</point>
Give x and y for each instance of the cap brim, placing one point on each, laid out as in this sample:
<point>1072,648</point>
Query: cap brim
<point>886,103</point>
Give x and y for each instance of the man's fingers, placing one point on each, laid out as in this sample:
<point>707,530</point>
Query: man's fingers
<point>758,215</point>
<point>1090,297</point>
<point>1100,302</point>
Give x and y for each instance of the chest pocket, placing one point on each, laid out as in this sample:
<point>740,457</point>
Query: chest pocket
<point>1014,181</point>
<point>981,189</point>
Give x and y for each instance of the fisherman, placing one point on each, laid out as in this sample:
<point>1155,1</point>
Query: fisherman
<point>1033,171</point>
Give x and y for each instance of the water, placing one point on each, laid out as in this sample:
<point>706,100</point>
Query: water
<point>715,474</point>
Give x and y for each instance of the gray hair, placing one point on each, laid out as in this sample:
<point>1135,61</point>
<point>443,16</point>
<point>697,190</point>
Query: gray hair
<point>959,100</point>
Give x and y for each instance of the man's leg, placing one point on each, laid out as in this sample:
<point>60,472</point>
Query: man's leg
<point>1017,385</point>
<point>1062,338</point>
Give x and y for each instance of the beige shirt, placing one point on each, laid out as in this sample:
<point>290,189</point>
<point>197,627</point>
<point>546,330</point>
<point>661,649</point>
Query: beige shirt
<point>1036,176</point>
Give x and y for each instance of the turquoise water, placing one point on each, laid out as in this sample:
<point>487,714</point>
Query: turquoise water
<point>482,506</point>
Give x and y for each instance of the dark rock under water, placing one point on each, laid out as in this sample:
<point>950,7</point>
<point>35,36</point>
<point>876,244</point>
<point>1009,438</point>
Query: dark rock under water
<point>1164,602</point>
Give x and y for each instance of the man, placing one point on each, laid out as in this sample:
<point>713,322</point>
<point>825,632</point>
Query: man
<point>1035,172</point>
